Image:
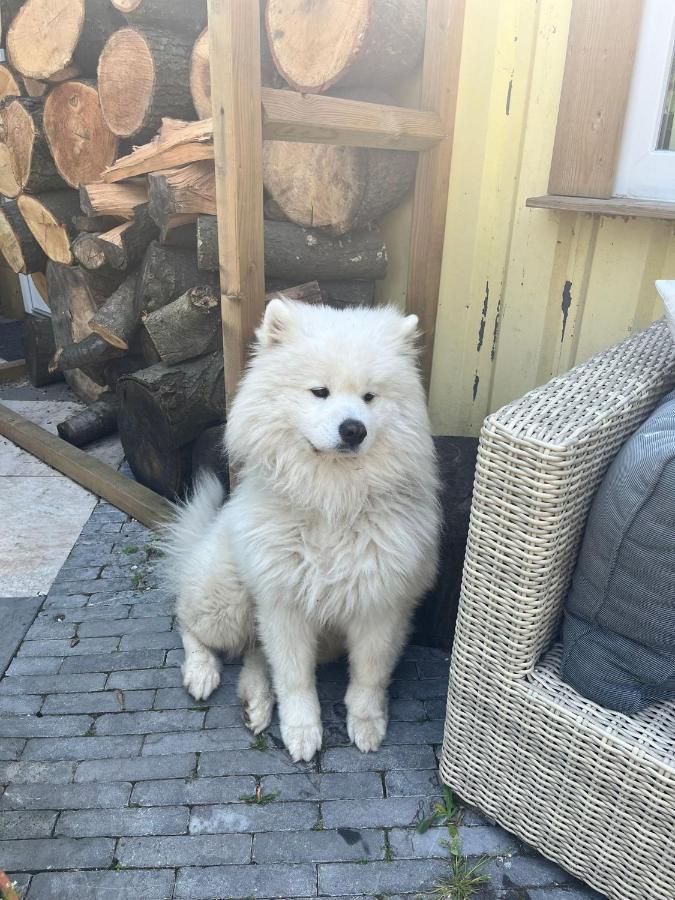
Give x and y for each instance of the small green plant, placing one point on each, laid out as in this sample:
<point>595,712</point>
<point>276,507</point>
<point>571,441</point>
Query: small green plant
<point>319,825</point>
<point>259,799</point>
<point>151,550</point>
<point>445,812</point>
<point>388,852</point>
<point>260,742</point>
<point>128,550</point>
<point>137,580</point>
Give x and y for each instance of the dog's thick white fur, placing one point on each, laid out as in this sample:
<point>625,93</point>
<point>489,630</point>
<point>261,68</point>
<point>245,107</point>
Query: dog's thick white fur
<point>323,545</point>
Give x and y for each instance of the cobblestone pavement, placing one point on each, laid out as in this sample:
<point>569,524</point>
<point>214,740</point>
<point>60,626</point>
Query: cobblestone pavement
<point>118,785</point>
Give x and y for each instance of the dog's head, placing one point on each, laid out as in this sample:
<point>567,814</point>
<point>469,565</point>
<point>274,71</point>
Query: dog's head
<point>327,388</point>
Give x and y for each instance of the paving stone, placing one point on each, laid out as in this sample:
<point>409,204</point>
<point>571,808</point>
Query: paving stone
<point>343,845</point>
<point>399,733</point>
<point>138,768</point>
<point>482,840</point>
<point>434,668</point>
<point>192,791</point>
<point>27,705</point>
<point>436,709</point>
<point>97,702</point>
<point>407,876</point>
<point>61,602</point>
<point>32,824</point>
<point>44,726</point>
<point>140,679</point>
<point>22,883</point>
<point>373,813</point>
<point>417,651</point>
<point>175,657</point>
<point>101,627</point>
<point>243,882</point>
<point>50,853</point>
<point>234,818</point>
<point>86,614</point>
<point>52,684</point>
<point>65,796</point>
<point>92,586</point>
<point>526,872</point>
<point>150,722</point>
<point>252,762</point>
<point>188,850</point>
<point>321,786</point>
<point>198,741</point>
<point>580,893</point>
<point>36,772</point>
<point>112,662</point>
<point>11,748</point>
<point>350,759</point>
<point>64,648</point>
<point>223,716</point>
<point>76,573</point>
<point>35,665</point>
<point>413,783</point>
<point>83,748</point>
<point>111,885</point>
<point>151,608</point>
<point>50,630</point>
<point>149,820</point>
<point>427,689</point>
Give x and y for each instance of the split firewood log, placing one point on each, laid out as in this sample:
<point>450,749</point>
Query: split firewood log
<point>39,349</point>
<point>50,219</point>
<point>95,224</point>
<point>118,319</point>
<point>90,352</point>
<point>185,17</point>
<point>87,250</point>
<point>372,42</point>
<point>177,144</point>
<point>31,165</point>
<point>96,421</point>
<point>144,75</point>
<point>126,244</point>
<point>80,142</point>
<point>9,85</point>
<point>18,245</point>
<point>120,200</point>
<point>332,292</point>
<point>47,36</point>
<point>187,327</point>
<point>166,274</point>
<point>293,252</point>
<point>189,190</point>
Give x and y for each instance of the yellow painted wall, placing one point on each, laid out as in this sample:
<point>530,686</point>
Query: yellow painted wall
<point>525,293</point>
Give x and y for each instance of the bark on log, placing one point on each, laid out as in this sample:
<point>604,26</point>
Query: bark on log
<point>9,86</point>
<point>296,253</point>
<point>187,17</point>
<point>190,190</point>
<point>208,454</point>
<point>22,252</point>
<point>125,245</point>
<point>118,319</point>
<point>47,36</point>
<point>87,250</point>
<point>30,158</point>
<point>92,423</point>
<point>50,218</point>
<point>333,293</point>
<point>187,327</point>
<point>164,408</point>
<point>95,224</point>
<point>33,88</point>
<point>39,349</point>
<point>80,142</point>
<point>90,353</point>
<point>144,75</point>
<point>119,200</point>
<point>166,273</point>
<point>316,45</point>
<point>180,235</point>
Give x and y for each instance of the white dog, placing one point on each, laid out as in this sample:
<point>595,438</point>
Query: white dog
<point>330,536</point>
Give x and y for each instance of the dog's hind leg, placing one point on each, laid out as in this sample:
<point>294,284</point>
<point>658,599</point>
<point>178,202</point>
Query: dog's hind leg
<point>201,668</point>
<point>255,691</point>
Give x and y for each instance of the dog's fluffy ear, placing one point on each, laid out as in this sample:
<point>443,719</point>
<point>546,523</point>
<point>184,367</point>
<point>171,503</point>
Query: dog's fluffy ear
<point>409,328</point>
<point>277,322</point>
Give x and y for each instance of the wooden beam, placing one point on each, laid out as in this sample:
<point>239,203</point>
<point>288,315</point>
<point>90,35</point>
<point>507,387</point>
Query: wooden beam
<point>140,502</point>
<point>613,206</point>
<point>234,33</point>
<point>440,77</point>
<point>600,55</point>
<point>290,116</point>
<point>12,371</point>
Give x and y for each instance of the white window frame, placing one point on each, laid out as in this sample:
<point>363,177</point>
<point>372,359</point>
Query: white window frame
<point>643,172</point>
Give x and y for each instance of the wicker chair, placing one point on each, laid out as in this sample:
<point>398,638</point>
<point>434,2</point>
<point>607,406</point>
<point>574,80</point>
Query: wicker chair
<point>592,789</point>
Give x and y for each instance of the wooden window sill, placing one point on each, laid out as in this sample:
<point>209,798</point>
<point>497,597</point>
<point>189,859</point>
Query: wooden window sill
<point>613,206</point>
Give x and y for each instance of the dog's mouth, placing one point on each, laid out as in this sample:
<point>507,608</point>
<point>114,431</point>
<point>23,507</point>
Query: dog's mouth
<point>341,449</point>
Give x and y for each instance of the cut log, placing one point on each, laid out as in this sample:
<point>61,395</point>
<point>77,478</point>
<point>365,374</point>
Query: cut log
<point>333,293</point>
<point>180,232</point>
<point>118,319</point>
<point>89,353</point>
<point>125,245</point>
<point>9,186</point>
<point>187,327</point>
<point>95,224</point>
<point>47,36</point>
<point>50,218</point>
<point>34,88</point>
<point>39,279</point>
<point>208,454</point>
<point>190,190</point>
<point>67,74</point>
<point>123,365</point>
<point>30,157</point>
<point>9,86</point>
<point>181,143</point>
<point>92,423</point>
<point>120,200</point>
<point>87,250</point>
<point>144,75</point>
<point>184,16</point>
<point>296,253</point>
<point>8,10</point>
<point>166,273</point>
<point>164,408</point>
<point>39,349</point>
<point>22,252</point>
<point>81,143</point>
<point>316,45</point>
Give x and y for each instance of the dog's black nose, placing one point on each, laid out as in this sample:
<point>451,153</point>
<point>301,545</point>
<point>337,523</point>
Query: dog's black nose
<point>352,432</point>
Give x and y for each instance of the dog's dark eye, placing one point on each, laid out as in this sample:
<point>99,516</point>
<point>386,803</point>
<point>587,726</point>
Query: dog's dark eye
<point>368,398</point>
<point>321,392</point>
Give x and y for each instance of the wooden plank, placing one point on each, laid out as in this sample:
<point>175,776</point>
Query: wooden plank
<point>290,116</point>
<point>600,54</point>
<point>143,504</point>
<point>612,206</point>
<point>440,77</point>
<point>12,370</point>
<point>234,33</point>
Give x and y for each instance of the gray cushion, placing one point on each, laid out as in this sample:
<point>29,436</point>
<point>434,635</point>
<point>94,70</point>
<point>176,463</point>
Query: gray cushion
<point>619,628</point>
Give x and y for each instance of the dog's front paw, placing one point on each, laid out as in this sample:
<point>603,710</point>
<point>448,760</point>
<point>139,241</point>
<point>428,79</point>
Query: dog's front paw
<point>366,733</point>
<point>302,741</point>
<point>200,678</point>
<point>257,712</point>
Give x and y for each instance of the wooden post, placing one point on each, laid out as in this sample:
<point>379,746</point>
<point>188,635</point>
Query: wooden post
<point>440,77</point>
<point>234,33</point>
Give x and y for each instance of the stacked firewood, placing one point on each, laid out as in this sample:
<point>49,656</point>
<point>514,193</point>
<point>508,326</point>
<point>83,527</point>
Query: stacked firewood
<point>108,182</point>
